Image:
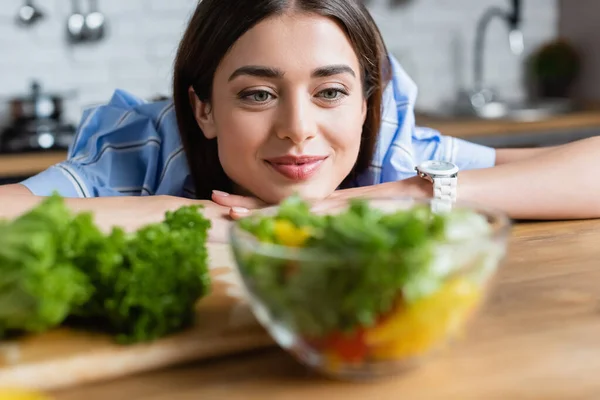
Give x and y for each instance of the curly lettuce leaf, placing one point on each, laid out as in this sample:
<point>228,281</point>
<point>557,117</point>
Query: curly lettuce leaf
<point>148,283</point>
<point>39,283</point>
<point>56,267</point>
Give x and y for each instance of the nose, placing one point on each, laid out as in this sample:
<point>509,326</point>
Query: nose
<point>296,119</point>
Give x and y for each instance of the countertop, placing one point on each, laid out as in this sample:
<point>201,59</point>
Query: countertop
<point>26,164</point>
<point>587,121</point>
<point>468,127</point>
<point>537,337</point>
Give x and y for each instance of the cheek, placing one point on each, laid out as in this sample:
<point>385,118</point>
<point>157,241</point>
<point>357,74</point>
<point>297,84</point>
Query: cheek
<point>344,129</point>
<point>240,136</point>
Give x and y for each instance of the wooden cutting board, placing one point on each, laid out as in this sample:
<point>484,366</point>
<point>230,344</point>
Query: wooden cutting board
<point>64,358</point>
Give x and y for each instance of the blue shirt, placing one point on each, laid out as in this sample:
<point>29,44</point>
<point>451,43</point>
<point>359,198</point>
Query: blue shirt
<point>132,147</point>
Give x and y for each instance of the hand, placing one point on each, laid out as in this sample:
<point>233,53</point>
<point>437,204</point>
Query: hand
<point>238,206</point>
<point>242,206</point>
<point>411,187</point>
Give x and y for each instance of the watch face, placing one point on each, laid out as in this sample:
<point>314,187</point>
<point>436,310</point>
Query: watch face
<point>439,167</point>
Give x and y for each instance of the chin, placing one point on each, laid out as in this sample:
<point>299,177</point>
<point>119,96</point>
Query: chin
<point>308,191</point>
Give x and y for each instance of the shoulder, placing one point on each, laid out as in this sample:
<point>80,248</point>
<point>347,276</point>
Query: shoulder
<point>125,122</point>
<point>401,144</point>
<point>129,146</point>
<point>393,157</point>
<point>398,103</point>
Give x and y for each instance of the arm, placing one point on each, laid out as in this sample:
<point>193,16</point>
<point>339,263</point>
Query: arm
<point>540,183</point>
<point>98,178</point>
<point>559,183</point>
<point>505,156</point>
<point>128,212</point>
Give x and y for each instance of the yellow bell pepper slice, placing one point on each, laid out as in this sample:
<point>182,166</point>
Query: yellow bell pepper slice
<point>426,323</point>
<point>287,234</point>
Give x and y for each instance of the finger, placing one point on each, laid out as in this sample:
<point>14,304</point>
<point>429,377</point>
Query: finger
<point>239,212</point>
<point>232,200</point>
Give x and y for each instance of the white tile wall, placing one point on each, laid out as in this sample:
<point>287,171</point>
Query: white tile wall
<point>432,38</point>
<point>434,41</point>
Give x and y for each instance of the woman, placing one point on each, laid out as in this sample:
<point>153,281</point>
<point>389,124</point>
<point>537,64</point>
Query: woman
<point>300,97</point>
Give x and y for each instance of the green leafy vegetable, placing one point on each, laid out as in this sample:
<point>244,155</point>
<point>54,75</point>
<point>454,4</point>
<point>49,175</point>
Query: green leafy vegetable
<point>56,267</point>
<point>147,284</point>
<point>39,283</point>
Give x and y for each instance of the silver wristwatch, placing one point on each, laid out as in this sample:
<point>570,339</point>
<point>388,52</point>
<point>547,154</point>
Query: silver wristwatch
<point>444,177</point>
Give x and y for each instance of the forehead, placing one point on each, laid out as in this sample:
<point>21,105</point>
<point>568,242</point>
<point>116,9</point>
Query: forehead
<point>291,42</point>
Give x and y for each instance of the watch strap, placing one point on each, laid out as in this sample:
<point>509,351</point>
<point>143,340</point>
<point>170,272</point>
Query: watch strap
<point>444,193</point>
<point>444,188</point>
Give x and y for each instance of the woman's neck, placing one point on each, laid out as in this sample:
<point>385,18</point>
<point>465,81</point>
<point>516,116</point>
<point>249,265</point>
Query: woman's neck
<point>240,191</point>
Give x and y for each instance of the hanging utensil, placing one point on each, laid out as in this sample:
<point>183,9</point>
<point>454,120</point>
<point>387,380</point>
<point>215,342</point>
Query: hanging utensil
<point>75,24</point>
<point>29,13</point>
<point>95,23</point>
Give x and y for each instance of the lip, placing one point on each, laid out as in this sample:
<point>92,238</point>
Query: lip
<point>296,168</point>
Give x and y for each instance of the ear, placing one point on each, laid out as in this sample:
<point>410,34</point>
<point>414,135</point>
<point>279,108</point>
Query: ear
<point>203,114</point>
<point>364,110</point>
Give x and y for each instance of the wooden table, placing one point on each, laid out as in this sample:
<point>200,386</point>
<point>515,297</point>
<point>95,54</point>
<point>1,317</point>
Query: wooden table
<point>27,164</point>
<point>467,127</point>
<point>537,338</point>
<point>551,131</point>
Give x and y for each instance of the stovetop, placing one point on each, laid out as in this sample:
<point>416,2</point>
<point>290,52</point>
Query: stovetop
<point>38,135</point>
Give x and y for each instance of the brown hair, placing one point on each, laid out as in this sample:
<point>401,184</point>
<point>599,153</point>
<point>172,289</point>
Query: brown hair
<point>213,29</point>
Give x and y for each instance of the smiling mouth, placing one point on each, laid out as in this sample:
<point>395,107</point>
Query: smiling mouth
<point>296,168</point>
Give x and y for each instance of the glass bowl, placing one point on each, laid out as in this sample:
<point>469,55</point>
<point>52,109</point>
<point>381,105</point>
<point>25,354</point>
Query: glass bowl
<point>367,304</point>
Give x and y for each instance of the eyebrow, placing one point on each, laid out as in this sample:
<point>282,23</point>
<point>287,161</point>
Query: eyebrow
<point>331,70</point>
<point>269,72</point>
<point>258,71</point>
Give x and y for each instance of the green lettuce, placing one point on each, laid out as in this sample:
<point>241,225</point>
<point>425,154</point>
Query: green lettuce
<point>57,267</point>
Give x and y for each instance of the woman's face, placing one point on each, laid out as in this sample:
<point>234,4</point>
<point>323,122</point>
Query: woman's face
<point>287,108</point>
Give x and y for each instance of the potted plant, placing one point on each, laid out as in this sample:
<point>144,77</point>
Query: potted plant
<point>554,69</point>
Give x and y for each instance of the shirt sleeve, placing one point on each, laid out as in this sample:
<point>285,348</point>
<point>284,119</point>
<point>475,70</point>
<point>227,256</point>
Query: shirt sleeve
<point>429,144</point>
<point>402,145</point>
<point>114,153</point>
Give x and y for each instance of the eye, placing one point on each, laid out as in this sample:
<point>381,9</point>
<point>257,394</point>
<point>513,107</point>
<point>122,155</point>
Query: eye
<point>256,96</point>
<point>260,96</point>
<point>332,94</point>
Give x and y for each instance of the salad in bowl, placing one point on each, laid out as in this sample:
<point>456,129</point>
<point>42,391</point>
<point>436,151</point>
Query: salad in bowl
<point>366,288</point>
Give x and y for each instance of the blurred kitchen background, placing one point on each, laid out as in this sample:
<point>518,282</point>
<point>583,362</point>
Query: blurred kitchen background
<point>498,72</point>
